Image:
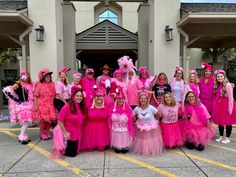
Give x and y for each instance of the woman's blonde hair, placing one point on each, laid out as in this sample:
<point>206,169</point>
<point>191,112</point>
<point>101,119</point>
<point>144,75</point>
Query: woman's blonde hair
<point>196,78</point>
<point>139,99</point>
<point>216,84</point>
<point>173,103</point>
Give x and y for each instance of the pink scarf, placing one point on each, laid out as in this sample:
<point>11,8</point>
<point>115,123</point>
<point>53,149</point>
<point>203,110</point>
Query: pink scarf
<point>219,91</point>
<point>200,112</point>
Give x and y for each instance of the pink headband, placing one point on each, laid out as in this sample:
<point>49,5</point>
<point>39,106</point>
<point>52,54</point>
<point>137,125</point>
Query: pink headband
<point>144,92</point>
<point>75,89</point>
<point>219,71</point>
<point>89,70</point>
<point>206,66</point>
<point>178,68</point>
<point>77,75</point>
<point>64,70</point>
<point>193,72</point>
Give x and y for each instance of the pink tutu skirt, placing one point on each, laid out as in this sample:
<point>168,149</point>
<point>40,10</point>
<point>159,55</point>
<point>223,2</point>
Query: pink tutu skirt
<point>148,143</point>
<point>171,134</point>
<point>59,141</point>
<point>24,112</point>
<point>220,112</point>
<point>197,134</point>
<point>120,140</point>
<point>96,135</point>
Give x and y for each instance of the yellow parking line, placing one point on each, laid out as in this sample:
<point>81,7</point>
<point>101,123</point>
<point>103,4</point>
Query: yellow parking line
<point>207,161</point>
<point>221,147</point>
<point>142,164</point>
<point>48,155</point>
<point>16,129</point>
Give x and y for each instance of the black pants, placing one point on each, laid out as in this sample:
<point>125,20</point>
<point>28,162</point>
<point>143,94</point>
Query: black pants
<point>58,104</point>
<point>71,149</point>
<point>228,130</point>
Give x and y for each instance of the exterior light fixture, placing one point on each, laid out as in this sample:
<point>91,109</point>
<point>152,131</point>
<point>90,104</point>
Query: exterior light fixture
<point>39,33</point>
<point>169,34</point>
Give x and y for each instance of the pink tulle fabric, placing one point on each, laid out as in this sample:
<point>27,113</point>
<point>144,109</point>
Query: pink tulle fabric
<point>194,88</point>
<point>59,141</point>
<point>171,134</point>
<point>148,143</point>
<point>45,92</point>
<point>195,130</point>
<point>121,138</point>
<point>220,112</point>
<point>20,112</point>
<point>96,130</point>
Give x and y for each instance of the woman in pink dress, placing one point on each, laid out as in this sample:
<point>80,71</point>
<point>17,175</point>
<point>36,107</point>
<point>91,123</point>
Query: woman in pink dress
<point>148,139</point>
<point>170,127</point>
<point>224,106</point>
<point>193,81</point>
<point>133,85</point>
<point>177,85</point>
<point>96,130</point>
<point>87,85</point>
<point>118,81</point>
<point>206,87</point>
<point>70,120</point>
<point>197,130</point>
<point>62,89</point>
<point>21,104</point>
<point>121,123</point>
<point>44,110</point>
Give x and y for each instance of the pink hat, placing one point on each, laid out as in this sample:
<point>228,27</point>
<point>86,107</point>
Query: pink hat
<point>118,71</point>
<point>192,72</point>
<point>206,66</point>
<point>89,70</point>
<point>64,70</point>
<point>178,68</point>
<point>74,90</point>
<point>219,71</point>
<point>143,70</point>
<point>98,91</point>
<point>119,93</point>
<point>77,75</point>
<point>23,72</point>
<point>42,73</point>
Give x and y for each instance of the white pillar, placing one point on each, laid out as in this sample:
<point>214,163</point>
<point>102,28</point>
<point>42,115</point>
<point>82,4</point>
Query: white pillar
<point>163,55</point>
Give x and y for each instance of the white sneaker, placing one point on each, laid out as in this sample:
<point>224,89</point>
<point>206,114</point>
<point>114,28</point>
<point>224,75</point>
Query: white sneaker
<point>219,139</point>
<point>225,141</point>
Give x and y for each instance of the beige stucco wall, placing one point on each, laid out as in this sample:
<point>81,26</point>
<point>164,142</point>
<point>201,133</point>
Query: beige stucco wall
<point>47,54</point>
<point>163,55</point>
<point>143,34</point>
<point>69,36</point>
<point>85,15</point>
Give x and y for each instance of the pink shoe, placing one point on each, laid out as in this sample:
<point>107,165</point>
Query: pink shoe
<point>43,136</point>
<point>48,135</point>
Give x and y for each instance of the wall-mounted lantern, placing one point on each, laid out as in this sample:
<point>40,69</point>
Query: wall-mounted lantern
<point>169,34</point>
<point>39,33</point>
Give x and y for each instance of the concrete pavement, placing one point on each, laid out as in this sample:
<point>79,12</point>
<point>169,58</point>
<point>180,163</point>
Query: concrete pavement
<point>35,159</point>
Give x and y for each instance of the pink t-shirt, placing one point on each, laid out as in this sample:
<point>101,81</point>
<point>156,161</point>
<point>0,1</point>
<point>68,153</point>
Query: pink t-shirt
<point>169,113</point>
<point>62,89</point>
<point>72,122</point>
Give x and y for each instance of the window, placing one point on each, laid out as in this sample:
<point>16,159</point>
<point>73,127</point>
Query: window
<point>108,15</point>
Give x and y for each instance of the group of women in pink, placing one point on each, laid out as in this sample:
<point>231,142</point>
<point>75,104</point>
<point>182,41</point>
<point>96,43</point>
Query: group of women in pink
<point>140,114</point>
